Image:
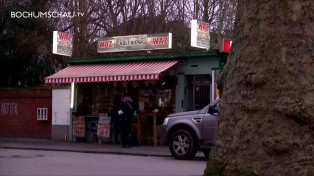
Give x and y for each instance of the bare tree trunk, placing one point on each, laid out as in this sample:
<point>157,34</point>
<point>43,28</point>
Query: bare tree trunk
<point>266,122</point>
<point>206,10</point>
<point>196,9</point>
<point>221,17</point>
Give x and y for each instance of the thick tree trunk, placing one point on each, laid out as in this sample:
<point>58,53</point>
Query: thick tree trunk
<point>266,122</point>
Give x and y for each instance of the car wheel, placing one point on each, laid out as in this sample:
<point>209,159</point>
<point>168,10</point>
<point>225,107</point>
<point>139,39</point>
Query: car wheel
<point>182,145</point>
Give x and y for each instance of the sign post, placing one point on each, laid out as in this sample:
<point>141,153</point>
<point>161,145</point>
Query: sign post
<point>213,85</point>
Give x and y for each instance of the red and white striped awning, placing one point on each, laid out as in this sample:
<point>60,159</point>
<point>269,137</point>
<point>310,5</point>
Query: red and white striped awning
<point>127,71</point>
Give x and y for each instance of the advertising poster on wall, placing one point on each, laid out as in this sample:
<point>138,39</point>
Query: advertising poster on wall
<point>78,126</point>
<point>62,43</point>
<point>103,130</point>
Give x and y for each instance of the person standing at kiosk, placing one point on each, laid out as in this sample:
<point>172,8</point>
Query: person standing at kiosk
<point>125,113</point>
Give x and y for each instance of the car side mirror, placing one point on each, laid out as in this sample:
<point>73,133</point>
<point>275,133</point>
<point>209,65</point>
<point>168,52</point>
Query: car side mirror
<point>213,110</point>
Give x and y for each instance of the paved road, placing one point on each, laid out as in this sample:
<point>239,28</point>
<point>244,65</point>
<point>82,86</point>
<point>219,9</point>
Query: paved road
<point>31,162</point>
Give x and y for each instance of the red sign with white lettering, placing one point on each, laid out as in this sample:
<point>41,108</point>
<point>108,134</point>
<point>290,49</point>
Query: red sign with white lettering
<point>226,45</point>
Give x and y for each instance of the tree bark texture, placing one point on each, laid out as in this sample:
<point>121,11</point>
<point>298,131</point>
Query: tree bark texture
<point>266,119</point>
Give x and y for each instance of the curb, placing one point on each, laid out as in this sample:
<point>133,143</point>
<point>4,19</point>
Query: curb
<point>88,151</point>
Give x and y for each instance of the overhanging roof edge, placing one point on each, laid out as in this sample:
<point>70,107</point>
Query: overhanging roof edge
<point>142,57</point>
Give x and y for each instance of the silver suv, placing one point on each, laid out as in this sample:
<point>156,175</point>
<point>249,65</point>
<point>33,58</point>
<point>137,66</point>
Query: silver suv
<point>192,131</point>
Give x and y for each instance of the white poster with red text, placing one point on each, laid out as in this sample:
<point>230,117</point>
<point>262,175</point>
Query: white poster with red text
<point>62,43</point>
<point>200,37</point>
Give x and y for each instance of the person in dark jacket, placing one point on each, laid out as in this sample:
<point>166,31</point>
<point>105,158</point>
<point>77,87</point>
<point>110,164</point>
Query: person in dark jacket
<point>125,114</point>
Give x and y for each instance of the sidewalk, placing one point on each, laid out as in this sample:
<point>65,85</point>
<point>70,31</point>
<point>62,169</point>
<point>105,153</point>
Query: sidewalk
<point>84,147</point>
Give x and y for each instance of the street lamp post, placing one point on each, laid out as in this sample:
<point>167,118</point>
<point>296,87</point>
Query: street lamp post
<point>213,85</point>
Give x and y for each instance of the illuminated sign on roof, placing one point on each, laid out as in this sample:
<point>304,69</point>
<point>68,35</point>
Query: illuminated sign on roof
<point>134,42</point>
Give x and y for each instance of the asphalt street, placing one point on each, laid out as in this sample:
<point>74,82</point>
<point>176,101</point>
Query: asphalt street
<point>17,162</point>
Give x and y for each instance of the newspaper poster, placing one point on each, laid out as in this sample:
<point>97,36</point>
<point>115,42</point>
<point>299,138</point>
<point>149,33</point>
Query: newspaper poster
<point>103,125</point>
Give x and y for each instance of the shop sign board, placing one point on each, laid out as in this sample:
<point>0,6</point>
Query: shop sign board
<point>135,42</point>
<point>62,43</point>
<point>200,34</point>
<point>226,45</point>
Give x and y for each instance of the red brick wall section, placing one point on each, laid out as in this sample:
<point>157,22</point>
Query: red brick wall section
<point>18,113</point>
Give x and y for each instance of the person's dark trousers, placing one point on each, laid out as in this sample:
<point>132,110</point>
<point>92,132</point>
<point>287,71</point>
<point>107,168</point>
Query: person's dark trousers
<point>125,131</point>
<point>116,133</point>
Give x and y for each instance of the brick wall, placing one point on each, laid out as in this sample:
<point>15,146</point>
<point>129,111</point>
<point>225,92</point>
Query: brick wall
<point>18,113</point>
